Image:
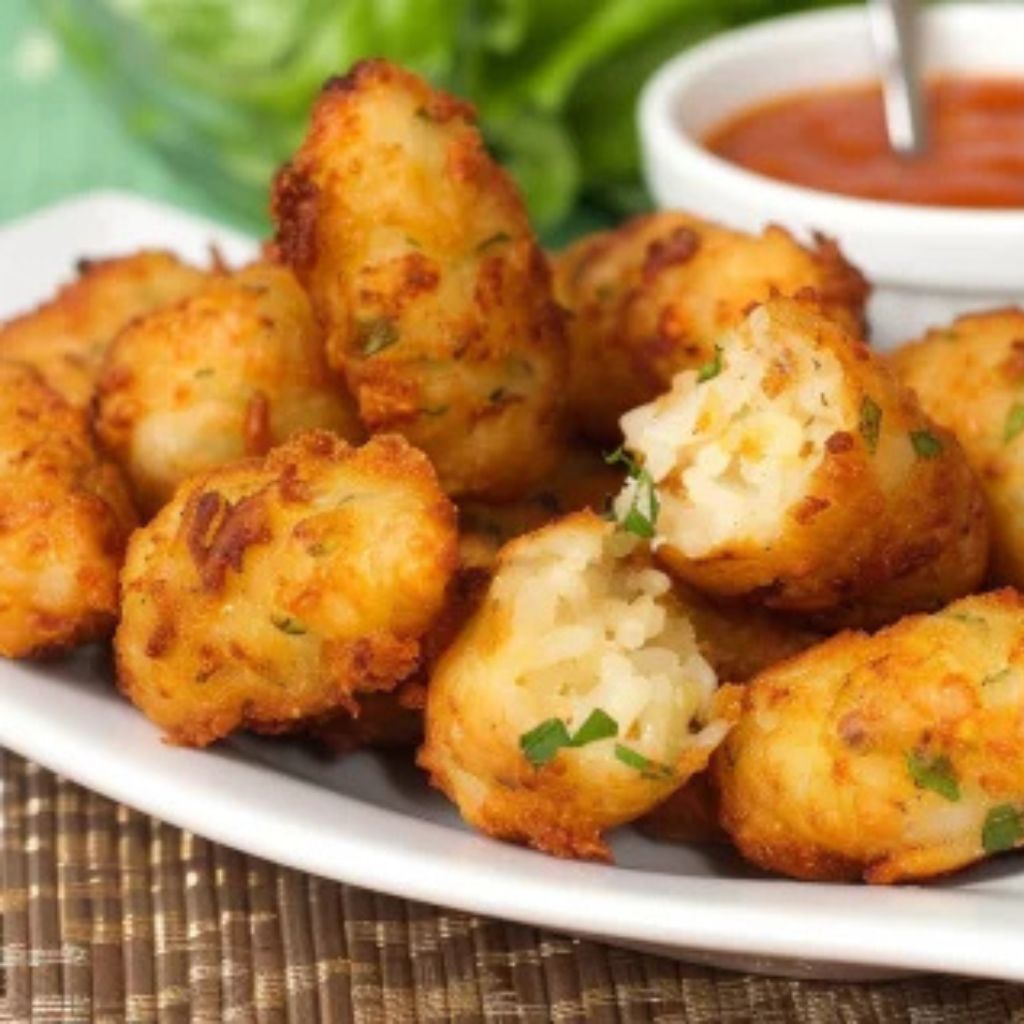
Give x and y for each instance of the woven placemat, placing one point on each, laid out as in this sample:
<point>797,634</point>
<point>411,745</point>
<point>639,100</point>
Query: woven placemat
<point>109,915</point>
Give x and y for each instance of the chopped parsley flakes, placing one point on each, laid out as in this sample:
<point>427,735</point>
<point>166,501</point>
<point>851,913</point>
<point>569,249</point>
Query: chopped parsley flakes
<point>1002,830</point>
<point>998,677</point>
<point>541,743</point>
<point>598,726</point>
<point>288,625</point>
<point>496,239</point>
<point>376,335</point>
<point>712,368</point>
<point>926,444</point>
<point>1014,422</point>
<point>870,423</point>
<point>934,773</point>
<point>641,514</point>
<point>644,765</point>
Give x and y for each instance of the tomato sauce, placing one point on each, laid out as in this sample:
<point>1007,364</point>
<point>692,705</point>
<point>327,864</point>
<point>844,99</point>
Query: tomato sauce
<point>834,140</point>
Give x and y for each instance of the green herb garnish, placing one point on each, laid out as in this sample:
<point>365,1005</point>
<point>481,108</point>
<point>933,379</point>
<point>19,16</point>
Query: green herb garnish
<point>712,368</point>
<point>648,769</point>
<point>288,625</point>
<point>997,677</point>
<point>638,524</point>
<point>541,743</point>
<point>870,423</point>
<point>926,444</point>
<point>934,773</point>
<point>319,548</point>
<point>205,371</point>
<point>598,726</point>
<point>642,515</point>
<point>496,239</point>
<point>1014,422</point>
<point>1002,829</point>
<point>375,335</point>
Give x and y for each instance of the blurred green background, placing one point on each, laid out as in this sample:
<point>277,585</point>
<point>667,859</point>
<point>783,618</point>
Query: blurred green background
<point>197,101</point>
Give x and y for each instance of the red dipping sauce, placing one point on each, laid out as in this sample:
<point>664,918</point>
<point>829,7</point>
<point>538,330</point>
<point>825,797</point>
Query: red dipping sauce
<point>834,140</point>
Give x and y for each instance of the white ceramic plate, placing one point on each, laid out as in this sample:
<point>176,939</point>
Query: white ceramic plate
<point>373,822</point>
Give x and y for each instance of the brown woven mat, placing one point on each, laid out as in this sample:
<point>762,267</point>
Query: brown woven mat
<point>109,915</point>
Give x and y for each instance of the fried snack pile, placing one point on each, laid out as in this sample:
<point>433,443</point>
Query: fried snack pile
<point>890,757</point>
<point>66,338</point>
<point>378,511</point>
<point>969,376</point>
<point>795,469</point>
<point>276,590</point>
<point>651,298</point>
<point>576,698</point>
<point>65,516</point>
<point>420,261</point>
<point>228,372</point>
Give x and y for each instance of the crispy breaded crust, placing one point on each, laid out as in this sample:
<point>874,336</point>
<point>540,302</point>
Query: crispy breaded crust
<point>420,261</point>
<point>880,757</point>
<point>65,516</point>
<point>273,591</point>
<point>66,337</point>
<point>229,371</point>
<point>651,297</point>
<point>968,377</point>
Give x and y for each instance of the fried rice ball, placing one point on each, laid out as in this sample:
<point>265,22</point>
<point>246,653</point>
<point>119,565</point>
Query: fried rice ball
<point>228,372</point>
<point>891,757</point>
<point>969,377</point>
<point>576,698</point>
<point>65,339</point>
<point>65,517</point>
<point>418,255</point>
<point>797,471</point>
<point>276,590</point>
<point>650,298</point>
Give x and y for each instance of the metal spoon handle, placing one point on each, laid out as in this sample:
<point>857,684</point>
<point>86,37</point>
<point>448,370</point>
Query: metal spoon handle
<point>894,30</point>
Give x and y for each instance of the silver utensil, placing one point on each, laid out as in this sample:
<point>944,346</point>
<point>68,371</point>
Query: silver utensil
<point>894,31</point>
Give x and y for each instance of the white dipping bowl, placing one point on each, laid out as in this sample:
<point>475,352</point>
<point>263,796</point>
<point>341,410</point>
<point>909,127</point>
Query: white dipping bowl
<point>927,263</point>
